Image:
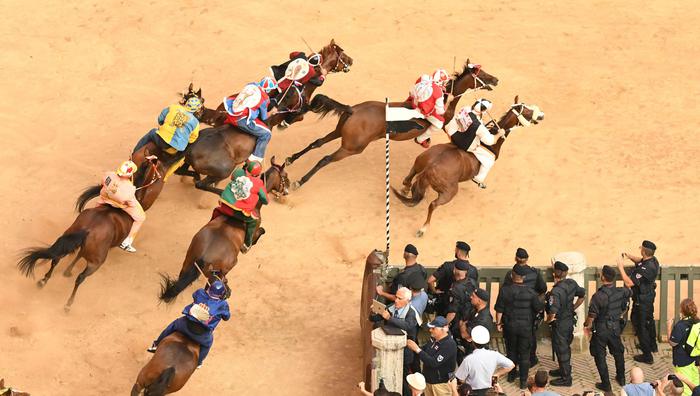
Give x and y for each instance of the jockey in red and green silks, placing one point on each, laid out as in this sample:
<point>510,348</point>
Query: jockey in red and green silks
<point>240,199</point>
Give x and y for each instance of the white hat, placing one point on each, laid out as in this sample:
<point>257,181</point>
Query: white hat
<point>416,381</point>
<point>480,335</point>
<point>482,105</point>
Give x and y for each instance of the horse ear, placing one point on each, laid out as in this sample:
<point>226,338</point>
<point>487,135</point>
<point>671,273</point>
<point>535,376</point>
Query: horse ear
<point>332,41</point>
<point>199,92</point>
<point>468,61</point>
<point>272,161</point>
<point>516,99</point>
<point>2,383</point>
<point>190,88</point>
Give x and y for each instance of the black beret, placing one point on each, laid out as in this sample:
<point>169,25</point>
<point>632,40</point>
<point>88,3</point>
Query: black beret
<point>521,253</point>
<point>520,270</point>
<point>558,265</point>
<point>416,281</point>
<point>482,294</point>
<point>649,245</point>
<point>463,246</point>
<point>462,265</point>
<point>411,249</point>
<point>609,273</point>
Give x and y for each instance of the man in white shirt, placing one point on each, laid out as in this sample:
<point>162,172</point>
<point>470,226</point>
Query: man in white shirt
<point>478,368</point>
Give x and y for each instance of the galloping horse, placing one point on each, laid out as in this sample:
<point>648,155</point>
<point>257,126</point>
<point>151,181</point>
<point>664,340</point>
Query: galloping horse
<point>9,391</point>
<point>170,368</point>
<point>333,58</point>
<point>367,122</point>
<point>215,247</point>
<point>95,230</point>
<point>444,166</point>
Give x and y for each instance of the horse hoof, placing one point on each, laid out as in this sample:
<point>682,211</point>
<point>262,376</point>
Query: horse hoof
<point>296,185</point>
<point>66,309</point>
<point>41,283</point>
<point>288,161</point>
<point>420,233</point>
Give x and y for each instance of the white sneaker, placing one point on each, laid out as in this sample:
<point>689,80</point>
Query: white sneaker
<point>127,247</point>
<point>481,185</point>
<point>255,158</point>
<point>199,367</point>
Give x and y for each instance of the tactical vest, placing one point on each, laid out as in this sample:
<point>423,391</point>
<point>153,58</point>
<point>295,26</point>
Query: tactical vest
<point>530,280</point>
<point>646,290</point>
<point>617,304</point>
<point>520,310</point>
<point>566,305</point>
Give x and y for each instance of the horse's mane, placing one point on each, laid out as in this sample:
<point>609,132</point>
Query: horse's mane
<point>465,70</point>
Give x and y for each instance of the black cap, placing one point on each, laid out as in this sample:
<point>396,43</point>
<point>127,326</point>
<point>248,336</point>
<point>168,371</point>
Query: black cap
<point>463,246</point>
<point>559,266</point>
<point>649,245</point>
<point>462,265</point>
<point>411,249</point>
<point>416,281</point>
<point>609,273</point>
<point>482,294</point>
<point>521,253</point>
<point>520,270</point>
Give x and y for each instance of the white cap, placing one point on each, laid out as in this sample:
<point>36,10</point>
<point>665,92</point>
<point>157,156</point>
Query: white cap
<point>416,381</point>
<point>480,335</point>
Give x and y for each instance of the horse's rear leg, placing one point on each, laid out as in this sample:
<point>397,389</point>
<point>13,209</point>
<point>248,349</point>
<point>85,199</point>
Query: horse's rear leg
<point>46,278</point>
<point>69,271</point>
<point>90,268</point>
<point>337,156</point>
<point>208,184</point>
<point>407,181</point>
<point>443,198</point>
<point>315,144</point>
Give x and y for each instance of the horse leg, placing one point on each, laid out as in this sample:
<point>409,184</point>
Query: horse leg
<point>408,180</point>
<point>316,144</point>
<point>42,282</point>
<point>90,268</point>
<point>336,156</point>
<point>208,184</point>
<point>68,272</point>
<point>443,198</point>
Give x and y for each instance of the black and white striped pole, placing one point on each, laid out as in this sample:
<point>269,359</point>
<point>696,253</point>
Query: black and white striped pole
<point>386,160</point>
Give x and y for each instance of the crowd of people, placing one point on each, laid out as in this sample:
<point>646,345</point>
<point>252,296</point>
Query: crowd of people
<point>456,358</point>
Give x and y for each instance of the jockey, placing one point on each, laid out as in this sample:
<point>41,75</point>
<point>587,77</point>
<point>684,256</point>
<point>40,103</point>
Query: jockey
<point>427,96</point>
<point>200,319</point>
<point>118,191</point>
<point>300,69</point>
<point>247,110</point>
<point>240,199</point>
<point>468,132</point>
<point>178,127</point>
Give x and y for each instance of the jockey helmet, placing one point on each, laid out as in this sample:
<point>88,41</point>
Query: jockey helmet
<point>268,84</point>
<point>482,105</point>
<point>440,77</point>
<point>315,59</point>
<point>217,289</point>
<point>127,168</point>
<point>254,168</point>
<point>193,104</point>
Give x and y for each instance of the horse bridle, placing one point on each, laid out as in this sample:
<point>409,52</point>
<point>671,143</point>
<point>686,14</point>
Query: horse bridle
<point>339,52</point>
<point>156,174</point>
<point>522,121</point>
<point>284,180</point>
<point>475,76</point>
<point>300,101</point>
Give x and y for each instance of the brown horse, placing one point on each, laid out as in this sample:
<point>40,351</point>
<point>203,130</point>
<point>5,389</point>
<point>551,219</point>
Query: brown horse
<point>95,231</point>
<point>170,368</point>
<point>9,391</point>
<point>444,166</point>
<point>333,58</point>
<point>215,247</point>
<point>367,122</point>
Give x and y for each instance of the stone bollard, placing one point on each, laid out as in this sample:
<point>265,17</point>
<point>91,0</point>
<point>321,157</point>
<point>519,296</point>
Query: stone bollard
<point>389,357</point>
<point>576,262</point>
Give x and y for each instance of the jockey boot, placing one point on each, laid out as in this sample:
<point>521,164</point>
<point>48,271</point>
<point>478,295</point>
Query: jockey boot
<point>425,143</point>
<point>481,185</point>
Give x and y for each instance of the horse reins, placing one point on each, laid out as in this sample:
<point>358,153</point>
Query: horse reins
<point>299,103</point>
<point>156,176</point>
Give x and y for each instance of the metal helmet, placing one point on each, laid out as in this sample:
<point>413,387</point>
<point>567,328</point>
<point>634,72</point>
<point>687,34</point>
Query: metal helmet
<point>254,168</point>
<point>217,289</point>
<point>127,168</point>
<point>440,77</point>
<point>268,84</point>
<point>482,105</point>
<point>193,104</point>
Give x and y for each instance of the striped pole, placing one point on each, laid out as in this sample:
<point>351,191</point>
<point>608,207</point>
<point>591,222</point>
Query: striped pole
<point>386,160</point>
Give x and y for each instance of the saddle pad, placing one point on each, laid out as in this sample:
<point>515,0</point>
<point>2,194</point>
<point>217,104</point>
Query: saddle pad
<point>402,114</point>
<point>249,97</point>
<point>297,69</point>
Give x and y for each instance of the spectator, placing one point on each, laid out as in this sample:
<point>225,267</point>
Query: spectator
<point>410,256</point>
<point>416,382</point>
<point>637,386</point>
<point>677,336</point>
<point>478,368</point>
<point>438,358</point>
<point>690,384</point>
<point>419,298</point>
<point>540,383</point>
<point>381,390</point>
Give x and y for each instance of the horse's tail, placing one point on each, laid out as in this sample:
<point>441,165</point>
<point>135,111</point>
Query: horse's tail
<point>88,194</point>
<point>322,104</point>
<point>159,387</point>
<point>417,192</point>
<point>170,289</point>
<point>64,245</point>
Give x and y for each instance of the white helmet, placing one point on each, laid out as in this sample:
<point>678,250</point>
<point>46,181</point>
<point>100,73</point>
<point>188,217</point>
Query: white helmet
<point>482,105</point>
<point>127,168</point>
<point>440,77</point>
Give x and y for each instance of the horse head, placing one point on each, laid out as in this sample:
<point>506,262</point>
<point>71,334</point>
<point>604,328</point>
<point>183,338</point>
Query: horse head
<point>9,391</point>
<point>191,93</point>
<point>148,179</point>
<point>519,115</point>
<point>276,179</point>
<point>334,59</point>
<point>472,77</point>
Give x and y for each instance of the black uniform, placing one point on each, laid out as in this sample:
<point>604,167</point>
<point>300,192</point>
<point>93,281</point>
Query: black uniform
<point>460,305</point>
<point>535,281</point>
<point>519,304</point>
<point>561,303</point>
<point>643,294</point>
<point>439,360</point>
<point>478,318</point>
<point>444,277</point>
<point>607,306</point>
<point>401,279</point>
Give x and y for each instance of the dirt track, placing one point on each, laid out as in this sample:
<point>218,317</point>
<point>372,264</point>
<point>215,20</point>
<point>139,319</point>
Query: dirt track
<point>614,162</point>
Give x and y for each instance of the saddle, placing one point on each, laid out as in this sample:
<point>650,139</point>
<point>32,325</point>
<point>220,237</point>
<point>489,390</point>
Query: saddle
<point>400,118</point>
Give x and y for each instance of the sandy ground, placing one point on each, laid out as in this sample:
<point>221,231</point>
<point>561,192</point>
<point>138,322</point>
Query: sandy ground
<point>614,162</point>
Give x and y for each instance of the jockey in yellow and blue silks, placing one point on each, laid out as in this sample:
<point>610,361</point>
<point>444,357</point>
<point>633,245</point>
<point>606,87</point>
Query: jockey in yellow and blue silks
<point>247,110</point>
<point>178,127</point>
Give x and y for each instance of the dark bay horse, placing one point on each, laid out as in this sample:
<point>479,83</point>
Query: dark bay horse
<point>9,391</point>
<point>444,166</point>
<point>333,58</point>
<point>367,122</point>
<point>215,247</point>
<point>169,369</point>
<point>95,231</point>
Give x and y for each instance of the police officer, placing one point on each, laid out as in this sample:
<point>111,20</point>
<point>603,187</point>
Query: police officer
<point>642,280</point>
<point>459,306</point>
<point>480,316</point>
<point>516,307</point>
<point>605,321</point>
<point>440,281</point>
<point>438,358</point>
<point>410,256</point>
<point>535,281</point>
<point>560,309</point>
